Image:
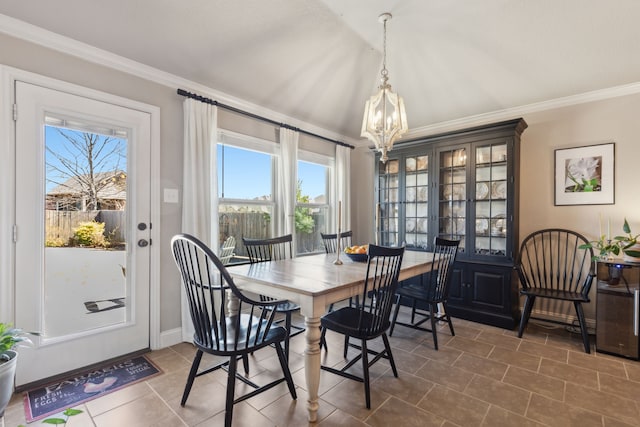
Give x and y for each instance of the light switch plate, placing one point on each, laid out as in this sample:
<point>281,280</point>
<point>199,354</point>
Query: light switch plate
<point>171,195</point>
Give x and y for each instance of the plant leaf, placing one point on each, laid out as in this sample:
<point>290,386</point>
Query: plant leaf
<point>71,412</point>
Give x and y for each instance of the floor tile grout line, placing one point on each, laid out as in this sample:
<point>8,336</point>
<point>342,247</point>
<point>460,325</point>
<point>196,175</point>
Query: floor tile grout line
<point>165,403</point>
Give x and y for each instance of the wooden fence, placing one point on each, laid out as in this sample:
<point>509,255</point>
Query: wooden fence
<point>59,225</point>
<point>258,226</point>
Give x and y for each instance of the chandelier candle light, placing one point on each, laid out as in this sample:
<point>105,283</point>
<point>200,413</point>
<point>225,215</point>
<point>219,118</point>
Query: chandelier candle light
<point>385,119</point>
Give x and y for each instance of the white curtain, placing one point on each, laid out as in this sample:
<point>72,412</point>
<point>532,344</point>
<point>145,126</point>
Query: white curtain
<point>287,180</point>
<point>343,184</point>
<point>199,185</point>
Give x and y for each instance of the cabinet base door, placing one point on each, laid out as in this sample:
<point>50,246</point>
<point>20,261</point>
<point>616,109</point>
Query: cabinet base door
<point>485,294</point>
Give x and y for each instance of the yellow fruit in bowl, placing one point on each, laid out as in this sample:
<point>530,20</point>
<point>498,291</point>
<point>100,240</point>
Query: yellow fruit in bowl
<point>356,249</point>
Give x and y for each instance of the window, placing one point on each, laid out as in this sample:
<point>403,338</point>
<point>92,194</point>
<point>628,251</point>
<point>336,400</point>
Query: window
<point>246,207</point>
<point>312,201</point>
<point>247,172</point>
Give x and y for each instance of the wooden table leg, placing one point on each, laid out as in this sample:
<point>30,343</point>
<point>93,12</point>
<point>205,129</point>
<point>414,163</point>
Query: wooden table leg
<point>233,303</point>
<point>312,365</point>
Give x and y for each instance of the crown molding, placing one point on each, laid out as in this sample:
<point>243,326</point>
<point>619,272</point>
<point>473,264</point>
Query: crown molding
<point>510,113</point>
<point>37,35</point>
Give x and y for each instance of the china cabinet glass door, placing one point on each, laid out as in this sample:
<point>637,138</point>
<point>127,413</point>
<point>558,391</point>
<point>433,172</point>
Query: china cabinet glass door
<point>452,195</point>
<point>491,200</point>
<point>388,212</point>
<point>416,201</point>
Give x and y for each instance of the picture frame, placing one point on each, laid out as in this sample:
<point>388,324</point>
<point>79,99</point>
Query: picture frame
<point>585,175</point>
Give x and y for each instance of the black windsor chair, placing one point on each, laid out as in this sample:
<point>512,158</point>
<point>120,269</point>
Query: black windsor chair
<point>330,242</point>
<point>208,286</point>
<point>275,249</point>
<point>552,265</point>
<point>432,293</point>
<point>371,319</point>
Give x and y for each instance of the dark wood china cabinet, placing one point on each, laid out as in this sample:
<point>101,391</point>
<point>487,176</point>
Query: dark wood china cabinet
<point>461,185</point>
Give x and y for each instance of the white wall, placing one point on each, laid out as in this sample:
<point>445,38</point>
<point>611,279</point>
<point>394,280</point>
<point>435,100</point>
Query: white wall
<point>613,120</point>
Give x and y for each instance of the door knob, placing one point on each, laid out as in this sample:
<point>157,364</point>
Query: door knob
<point>142,226</point>
<point>143,243</point>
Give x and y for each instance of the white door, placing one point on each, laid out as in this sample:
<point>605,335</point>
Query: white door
<point>82,230</point>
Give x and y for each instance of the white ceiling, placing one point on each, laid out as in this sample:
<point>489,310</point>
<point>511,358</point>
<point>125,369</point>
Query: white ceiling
<point>318,60</point>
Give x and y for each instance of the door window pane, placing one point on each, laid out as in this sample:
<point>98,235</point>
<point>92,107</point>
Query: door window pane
<point>85,223</point>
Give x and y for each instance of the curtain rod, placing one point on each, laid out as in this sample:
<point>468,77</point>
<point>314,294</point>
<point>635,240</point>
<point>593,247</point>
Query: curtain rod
<point>257,117</point>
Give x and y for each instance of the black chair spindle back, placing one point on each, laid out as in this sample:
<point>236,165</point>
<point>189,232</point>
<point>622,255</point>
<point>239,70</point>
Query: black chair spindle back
<point>330,241</point>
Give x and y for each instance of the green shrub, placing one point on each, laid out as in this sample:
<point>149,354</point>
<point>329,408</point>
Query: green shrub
<point>90,233</point>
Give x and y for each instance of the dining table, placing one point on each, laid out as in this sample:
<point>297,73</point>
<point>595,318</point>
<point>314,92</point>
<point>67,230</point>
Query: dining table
<point>314,282</point>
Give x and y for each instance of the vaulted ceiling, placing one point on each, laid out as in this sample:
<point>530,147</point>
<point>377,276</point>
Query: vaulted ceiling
<point>318,60</point>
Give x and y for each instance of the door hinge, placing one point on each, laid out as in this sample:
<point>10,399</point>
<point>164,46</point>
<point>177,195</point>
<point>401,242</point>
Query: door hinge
<point>150,242</point>
<point>15,233</point>
<point>15,112</point>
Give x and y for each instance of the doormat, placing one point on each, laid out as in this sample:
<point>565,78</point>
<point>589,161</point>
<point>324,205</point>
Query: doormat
<point>57,397</point>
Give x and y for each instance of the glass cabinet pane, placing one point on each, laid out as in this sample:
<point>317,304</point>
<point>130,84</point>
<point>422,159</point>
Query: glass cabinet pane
<point>490,200</point>
<point>453,195</point>
<point>416,201</point>
<point>387,217</point>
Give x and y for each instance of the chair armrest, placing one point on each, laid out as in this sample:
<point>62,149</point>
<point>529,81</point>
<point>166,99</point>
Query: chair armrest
<point>586,287</point>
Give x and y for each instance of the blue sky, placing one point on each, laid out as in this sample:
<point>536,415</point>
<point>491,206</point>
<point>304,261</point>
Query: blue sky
<point>62,147</point>
<point>247,174</point>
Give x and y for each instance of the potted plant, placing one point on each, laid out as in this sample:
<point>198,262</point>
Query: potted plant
<point>630,244</point>
<point>607,248</point>
<point>10,338</point>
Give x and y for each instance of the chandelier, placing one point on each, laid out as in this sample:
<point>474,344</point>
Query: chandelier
<point>385,119</point>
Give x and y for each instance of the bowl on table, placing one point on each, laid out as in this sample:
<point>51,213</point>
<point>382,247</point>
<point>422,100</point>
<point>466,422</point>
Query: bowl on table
<point>357,253</point>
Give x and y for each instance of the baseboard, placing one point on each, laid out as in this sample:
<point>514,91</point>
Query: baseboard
<point>560,318</point>
<point>170,337</point>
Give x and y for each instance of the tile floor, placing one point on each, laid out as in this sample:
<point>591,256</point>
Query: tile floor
<point>484,376</point>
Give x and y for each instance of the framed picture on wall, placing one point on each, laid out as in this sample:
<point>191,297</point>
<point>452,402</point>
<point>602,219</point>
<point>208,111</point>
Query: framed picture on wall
<point>585,175</point>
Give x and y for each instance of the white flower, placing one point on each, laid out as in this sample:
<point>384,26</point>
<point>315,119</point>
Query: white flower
<point>585,168</point>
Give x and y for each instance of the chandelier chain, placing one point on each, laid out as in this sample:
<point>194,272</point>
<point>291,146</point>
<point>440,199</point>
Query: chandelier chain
<point>384,71</point>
